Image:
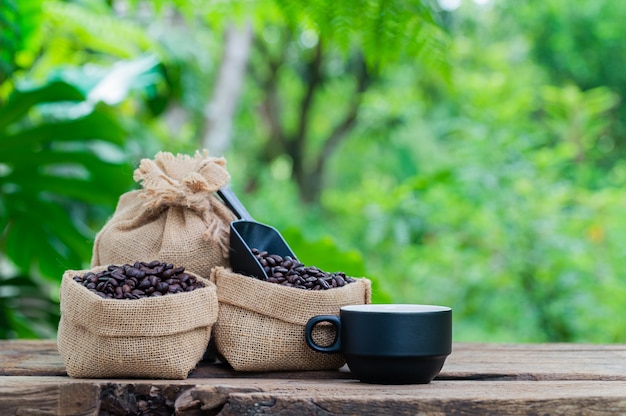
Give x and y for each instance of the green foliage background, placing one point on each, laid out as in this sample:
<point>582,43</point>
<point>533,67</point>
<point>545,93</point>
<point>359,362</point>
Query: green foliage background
<point>481,165</point>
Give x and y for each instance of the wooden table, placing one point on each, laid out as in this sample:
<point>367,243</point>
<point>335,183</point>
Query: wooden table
<point>477,379</point>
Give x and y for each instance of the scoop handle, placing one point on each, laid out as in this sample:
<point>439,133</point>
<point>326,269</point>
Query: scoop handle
<point>234,204</point>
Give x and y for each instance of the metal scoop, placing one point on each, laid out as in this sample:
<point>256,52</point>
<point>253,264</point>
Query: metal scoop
<point>246,234</point>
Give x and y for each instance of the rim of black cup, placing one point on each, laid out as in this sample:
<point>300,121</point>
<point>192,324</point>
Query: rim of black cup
<point>395,308</point>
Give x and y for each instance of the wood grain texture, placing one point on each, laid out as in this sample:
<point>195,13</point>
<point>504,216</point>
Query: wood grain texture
<point>477,379</point>
<point>535,362</point>
<point>50,396</point>
<point>56,396</point>
<point>41,358</point>
<point>468,361</point>
<point>459,398</point>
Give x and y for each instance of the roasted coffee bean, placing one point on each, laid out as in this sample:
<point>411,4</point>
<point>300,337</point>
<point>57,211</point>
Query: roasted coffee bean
<point>133,272</point>
<point>290,272</point>
<point>162,287</point>
<point>118,276</point>
<point>145,283</point>
<point>139,280</point>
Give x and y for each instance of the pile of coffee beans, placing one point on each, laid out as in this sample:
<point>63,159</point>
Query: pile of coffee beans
<point>139,280</point>
<point>290,272</point>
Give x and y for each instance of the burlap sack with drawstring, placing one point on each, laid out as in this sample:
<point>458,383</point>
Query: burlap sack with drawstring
<point>175,217</point>
<point>260,325</point>
<point>154,337</point>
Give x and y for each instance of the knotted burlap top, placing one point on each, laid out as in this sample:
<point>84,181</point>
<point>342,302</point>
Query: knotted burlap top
<point>175,217</point>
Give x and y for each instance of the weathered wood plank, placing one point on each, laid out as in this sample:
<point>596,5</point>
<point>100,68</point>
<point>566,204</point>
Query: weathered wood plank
<point>41,358</point>
<point>57,396</point>
<point>467,362</point>
<point>22,358</point>
<point>53,396</point>
<point>343,397</point>
<point>285,406</point>
<point>476,379</point>
<point>536,362</point>
<point>31,395</point>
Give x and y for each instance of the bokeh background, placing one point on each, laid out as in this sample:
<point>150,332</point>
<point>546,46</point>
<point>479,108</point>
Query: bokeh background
<point>456,152</point>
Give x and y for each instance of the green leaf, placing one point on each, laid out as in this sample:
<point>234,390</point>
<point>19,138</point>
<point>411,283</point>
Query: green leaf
<point>21,326</point>
<point>53,258</point>
<point>88,191</point>
<point>18,244</point>
<point>18,281</point>
<point>60,226</point>
<point>4,215</point>
<point>126,76</point>
<point>23,100</point>
<point>43,234</point>
<point>96,125</point>
<point>81,176</point>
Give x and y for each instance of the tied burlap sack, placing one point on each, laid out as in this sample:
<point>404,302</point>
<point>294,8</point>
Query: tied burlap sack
<point>260,325</point>
<point>154,337</point>
<point>175,218</point>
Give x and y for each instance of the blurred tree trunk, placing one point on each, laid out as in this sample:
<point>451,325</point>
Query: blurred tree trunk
<point>219,112</point>
<point>308,168</point>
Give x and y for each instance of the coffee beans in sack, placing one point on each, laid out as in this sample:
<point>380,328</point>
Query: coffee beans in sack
<point>260,325</point>
<point>137,320</point>
<point>290,272</point>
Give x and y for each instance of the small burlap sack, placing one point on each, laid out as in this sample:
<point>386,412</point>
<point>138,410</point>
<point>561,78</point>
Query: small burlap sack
<point>175,218</point>
<point>154,337</point>
<point>260,325</point>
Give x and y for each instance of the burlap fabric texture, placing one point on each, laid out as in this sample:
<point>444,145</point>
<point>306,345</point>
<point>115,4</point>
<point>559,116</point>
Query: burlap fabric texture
<point>175,217</point>
<point>156,337</point>
<point>260,325</point>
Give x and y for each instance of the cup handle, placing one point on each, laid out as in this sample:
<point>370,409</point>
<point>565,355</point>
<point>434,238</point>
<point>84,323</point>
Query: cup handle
<point>335,347</point>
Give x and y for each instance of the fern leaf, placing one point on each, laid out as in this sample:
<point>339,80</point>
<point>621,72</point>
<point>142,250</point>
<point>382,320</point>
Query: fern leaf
<point>99,32</point>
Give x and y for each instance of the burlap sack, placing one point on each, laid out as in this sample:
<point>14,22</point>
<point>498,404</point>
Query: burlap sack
<point>260,325</point>
<point>155,337</point>
<point>175,218</point>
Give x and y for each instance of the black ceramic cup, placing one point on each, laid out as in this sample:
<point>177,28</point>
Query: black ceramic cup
<point>389,343</point>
